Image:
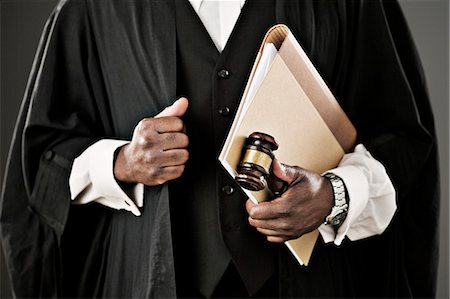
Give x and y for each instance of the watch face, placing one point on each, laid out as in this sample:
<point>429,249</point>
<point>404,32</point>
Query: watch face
<point>339,218</point>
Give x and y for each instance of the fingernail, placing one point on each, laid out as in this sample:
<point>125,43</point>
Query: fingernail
<point>182,97</point>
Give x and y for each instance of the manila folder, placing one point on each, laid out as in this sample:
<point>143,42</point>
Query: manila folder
<point>282,109</point>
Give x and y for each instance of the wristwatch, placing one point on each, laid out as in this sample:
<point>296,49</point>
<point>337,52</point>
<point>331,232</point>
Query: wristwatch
<point>340,209</point>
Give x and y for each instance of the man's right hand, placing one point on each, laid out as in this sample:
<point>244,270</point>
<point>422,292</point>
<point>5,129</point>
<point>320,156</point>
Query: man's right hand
<point>157,152</point>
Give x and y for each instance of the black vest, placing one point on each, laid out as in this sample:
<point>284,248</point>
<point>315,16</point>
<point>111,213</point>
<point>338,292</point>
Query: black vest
<point>208,213</point>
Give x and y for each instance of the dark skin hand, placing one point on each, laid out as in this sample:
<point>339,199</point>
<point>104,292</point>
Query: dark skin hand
<point>299,210</point>
<point>158,151</point>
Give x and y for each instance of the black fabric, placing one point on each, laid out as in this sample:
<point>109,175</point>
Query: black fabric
<point>210,226</point>
<point>364,51</point>
<point>77,93</point>
<point>201,256</point>
<point>231,286</point>
<point>100,58</point>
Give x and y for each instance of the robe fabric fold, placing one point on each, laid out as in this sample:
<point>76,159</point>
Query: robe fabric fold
<point>103,65</point>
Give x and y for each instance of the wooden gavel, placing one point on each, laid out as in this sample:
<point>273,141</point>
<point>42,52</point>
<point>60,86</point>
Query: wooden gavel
<point>255,169</point>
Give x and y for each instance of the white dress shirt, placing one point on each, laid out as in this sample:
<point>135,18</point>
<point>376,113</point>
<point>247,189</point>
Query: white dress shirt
<point>219,18</point>
<point>372,195</point>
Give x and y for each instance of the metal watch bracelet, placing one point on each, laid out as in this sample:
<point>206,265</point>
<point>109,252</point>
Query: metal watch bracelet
<point>340,208</point>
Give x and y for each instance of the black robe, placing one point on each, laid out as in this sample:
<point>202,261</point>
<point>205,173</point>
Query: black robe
<point>103,65</point>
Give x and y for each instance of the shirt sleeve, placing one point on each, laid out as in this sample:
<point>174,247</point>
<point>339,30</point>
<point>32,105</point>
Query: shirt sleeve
<point>372,198</point>
<point>92,179</point>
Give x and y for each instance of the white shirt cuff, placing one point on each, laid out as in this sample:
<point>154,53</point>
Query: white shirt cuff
<point>92,179</point>
<point>372,198</point>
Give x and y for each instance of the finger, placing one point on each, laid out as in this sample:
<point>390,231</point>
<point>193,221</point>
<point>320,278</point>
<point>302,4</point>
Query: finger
<point>173,172</point>
<point>287,173</point>
<point>249,205</point>
<point>270,210</point>
<point>278,170</point>
<point>278,225</point>
<point>147,128</point>
<point>170,173</point>
<point>175,157</point>
<point>272,233</point>
<point>178,108</point>
<point>276,239</point>
<point>169,124</point>
<point>173,140</point>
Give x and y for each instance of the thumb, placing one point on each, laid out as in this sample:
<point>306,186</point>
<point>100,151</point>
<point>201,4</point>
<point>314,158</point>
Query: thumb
<point>178,108</point>
<point>285,172</point>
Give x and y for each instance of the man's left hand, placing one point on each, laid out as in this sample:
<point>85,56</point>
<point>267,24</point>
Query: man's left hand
<point>299,210</point>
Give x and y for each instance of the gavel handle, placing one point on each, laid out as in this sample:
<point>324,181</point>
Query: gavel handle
<point>276,185</point>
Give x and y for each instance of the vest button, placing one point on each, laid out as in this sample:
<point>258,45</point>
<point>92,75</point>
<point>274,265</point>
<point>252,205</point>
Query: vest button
<point>223,74</point>
<point>48,155</point>
<point>227,189</point>
<point>224,111</point>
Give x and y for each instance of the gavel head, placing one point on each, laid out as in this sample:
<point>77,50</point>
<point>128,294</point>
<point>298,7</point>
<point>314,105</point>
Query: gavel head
<point>254,168</point>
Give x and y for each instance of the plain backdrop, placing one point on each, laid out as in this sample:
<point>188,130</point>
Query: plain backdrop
<point>22,22</point>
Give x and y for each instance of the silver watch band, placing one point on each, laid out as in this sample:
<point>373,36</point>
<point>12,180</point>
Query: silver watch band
<point>340,208</point>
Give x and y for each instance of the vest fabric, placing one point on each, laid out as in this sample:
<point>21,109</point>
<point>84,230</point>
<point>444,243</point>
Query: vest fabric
<point>208,210</point>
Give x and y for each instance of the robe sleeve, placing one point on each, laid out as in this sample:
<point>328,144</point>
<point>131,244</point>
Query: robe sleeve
<point>63,112</point>
<point>67,112</point>
<point>384,93</point>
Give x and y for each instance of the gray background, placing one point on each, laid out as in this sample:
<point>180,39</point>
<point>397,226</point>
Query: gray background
<point>22,22</point>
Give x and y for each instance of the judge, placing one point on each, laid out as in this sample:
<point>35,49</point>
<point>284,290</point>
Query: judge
<point>113,188</point>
